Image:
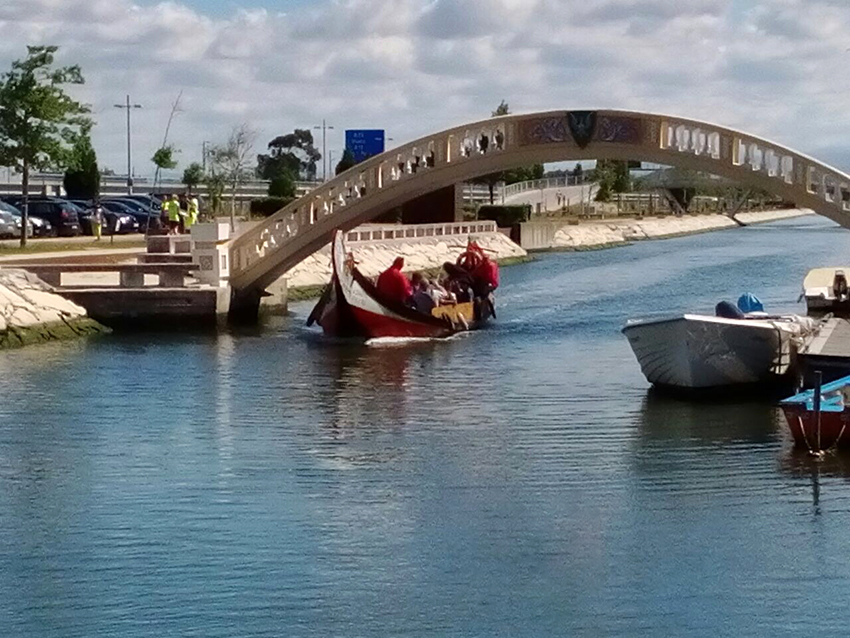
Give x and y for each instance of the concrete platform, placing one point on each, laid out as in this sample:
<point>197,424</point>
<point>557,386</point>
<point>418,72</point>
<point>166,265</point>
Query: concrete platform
<point>829,352</point>
<point>154,307</point>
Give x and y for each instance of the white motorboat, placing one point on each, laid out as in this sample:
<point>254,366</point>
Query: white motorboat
<point>826,290</point>
<point>701,351</point>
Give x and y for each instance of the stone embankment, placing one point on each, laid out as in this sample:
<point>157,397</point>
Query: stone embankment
<point>554,235</point>
<point>30,312</point>
<point>422,253</point>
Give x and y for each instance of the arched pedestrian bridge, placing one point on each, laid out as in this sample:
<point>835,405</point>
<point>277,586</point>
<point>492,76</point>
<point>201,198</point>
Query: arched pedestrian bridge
<point>386,181</point>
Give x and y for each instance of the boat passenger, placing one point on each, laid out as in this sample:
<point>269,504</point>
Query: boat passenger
<point>422,300</point>
<point>394,284</point>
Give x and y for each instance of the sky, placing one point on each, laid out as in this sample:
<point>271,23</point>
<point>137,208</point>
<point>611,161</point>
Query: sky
<point>775,68</point>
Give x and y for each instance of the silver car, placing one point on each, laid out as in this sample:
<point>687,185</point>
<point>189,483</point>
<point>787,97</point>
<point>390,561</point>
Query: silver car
<point>36,225</point>
<point>10,226</point>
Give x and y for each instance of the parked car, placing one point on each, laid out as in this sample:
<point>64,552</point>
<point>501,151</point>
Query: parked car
<point>136,209</point>
<point>38,227</point>
<point>10,226</point>
<point>11,222</point>
<point>152,202</point>
<point>116,223</point>
<point>61,214</point>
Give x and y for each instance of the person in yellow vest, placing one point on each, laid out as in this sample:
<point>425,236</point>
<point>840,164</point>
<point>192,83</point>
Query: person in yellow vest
<point>97,218</point>
<point>163,212</point>
<point>173,215</point>
<point>192,213</point>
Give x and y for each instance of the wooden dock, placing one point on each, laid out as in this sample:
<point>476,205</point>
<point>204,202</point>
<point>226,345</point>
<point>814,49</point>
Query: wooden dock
<point>828,352</point>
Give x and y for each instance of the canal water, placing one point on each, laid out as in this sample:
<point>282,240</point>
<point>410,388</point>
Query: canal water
<point>519,481</point>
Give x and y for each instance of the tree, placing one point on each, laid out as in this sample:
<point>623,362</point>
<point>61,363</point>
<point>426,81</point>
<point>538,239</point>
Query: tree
<point>82,177</point>
<point>282,185</point>
<point>346,162</point>
<point>164,158</point>
<point>578,171</point>
<point>38,120</point>
<point>502,109</point>
<point>612,177</point>
<point>293,152</point>
<point>231,163</point>
<point>193,175</point>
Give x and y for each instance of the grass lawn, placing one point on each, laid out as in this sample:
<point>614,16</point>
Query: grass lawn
<point>52,246</point>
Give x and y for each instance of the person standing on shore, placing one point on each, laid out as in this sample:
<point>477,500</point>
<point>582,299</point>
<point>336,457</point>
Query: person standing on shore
<point>192,213</point>
<point>173,215</point>
<point>97,220</point>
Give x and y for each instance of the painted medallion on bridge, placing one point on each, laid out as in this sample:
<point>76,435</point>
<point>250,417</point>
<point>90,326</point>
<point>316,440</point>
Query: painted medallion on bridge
<point>581,128</point>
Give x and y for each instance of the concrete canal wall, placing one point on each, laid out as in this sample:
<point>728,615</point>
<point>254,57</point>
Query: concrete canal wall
<point>31,313</point>
<point>420,252</point>
<point>560,235</point>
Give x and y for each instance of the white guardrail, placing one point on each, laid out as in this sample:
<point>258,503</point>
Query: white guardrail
<point>546,182</point>
<point>374,232</point>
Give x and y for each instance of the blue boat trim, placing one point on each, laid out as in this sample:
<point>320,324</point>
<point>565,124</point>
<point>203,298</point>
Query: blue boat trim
<point>833,403</point>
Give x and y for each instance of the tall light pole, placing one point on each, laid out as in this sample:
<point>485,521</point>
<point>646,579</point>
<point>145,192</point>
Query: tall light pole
<point>129,107</point>
<point>324,128</point>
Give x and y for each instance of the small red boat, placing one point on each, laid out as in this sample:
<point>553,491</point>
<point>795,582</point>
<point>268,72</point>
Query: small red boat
<point>820,422</point>
<point>352,306</point>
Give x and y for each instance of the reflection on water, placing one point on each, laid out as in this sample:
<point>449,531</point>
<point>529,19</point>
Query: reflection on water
<point>518,481</point>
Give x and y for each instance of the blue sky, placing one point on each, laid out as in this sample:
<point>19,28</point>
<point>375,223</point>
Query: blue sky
<point>772,67</point>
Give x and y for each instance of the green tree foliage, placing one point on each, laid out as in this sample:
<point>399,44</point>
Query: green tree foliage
<point>502,109</point>
<point>512,176</point>
<point>282,186</point>
<point>82,177</point>
<point>293,152</point>
<point>346,162</point>
<point>612,177</point>
<point>38,120</point>
<point>164,158</point>
<point>193,175</point>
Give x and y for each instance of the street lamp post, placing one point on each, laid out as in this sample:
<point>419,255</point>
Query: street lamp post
<point>324,128</point>
<point>129,107</point>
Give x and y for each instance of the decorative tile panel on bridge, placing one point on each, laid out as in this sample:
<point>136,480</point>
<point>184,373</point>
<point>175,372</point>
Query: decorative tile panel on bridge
<point>262,254</point>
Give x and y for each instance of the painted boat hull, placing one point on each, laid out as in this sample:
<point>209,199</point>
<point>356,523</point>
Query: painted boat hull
<point>352,307</point>
<point>803,426</point>
<point>702,352</point>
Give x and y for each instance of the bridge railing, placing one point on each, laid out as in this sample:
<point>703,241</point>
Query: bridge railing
<point>372,232</point>
<point>316,213</point>
<point>541,184</point>
<point>461,153</point>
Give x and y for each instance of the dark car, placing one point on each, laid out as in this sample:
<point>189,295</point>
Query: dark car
<point>152,202</point>
<point>116,223</point>
<point>61,214</point>
<point>138,210</point>
<point>38,227</point>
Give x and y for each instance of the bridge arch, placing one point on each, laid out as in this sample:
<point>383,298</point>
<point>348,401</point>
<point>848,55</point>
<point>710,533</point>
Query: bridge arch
<point>385,181</point>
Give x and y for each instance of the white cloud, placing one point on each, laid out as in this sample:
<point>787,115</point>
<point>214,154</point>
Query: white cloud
<point>414,66</point>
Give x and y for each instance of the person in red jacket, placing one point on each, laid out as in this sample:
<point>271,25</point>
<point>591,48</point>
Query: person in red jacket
<point>394,284</point>
<point>487,273</point>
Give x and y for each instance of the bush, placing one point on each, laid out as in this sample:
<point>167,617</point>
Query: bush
<point>505,216</point>
<point>268,205</point>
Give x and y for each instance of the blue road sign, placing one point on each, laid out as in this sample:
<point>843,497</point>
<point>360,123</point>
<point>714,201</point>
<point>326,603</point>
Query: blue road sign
<point>364,143</point>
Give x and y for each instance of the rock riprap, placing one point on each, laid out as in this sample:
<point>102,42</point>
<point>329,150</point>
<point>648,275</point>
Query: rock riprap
<point>31,312</point>
<point>422,253</point>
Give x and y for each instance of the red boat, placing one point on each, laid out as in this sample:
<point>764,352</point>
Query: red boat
<point>352,306</point>
<point>820,422</point>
